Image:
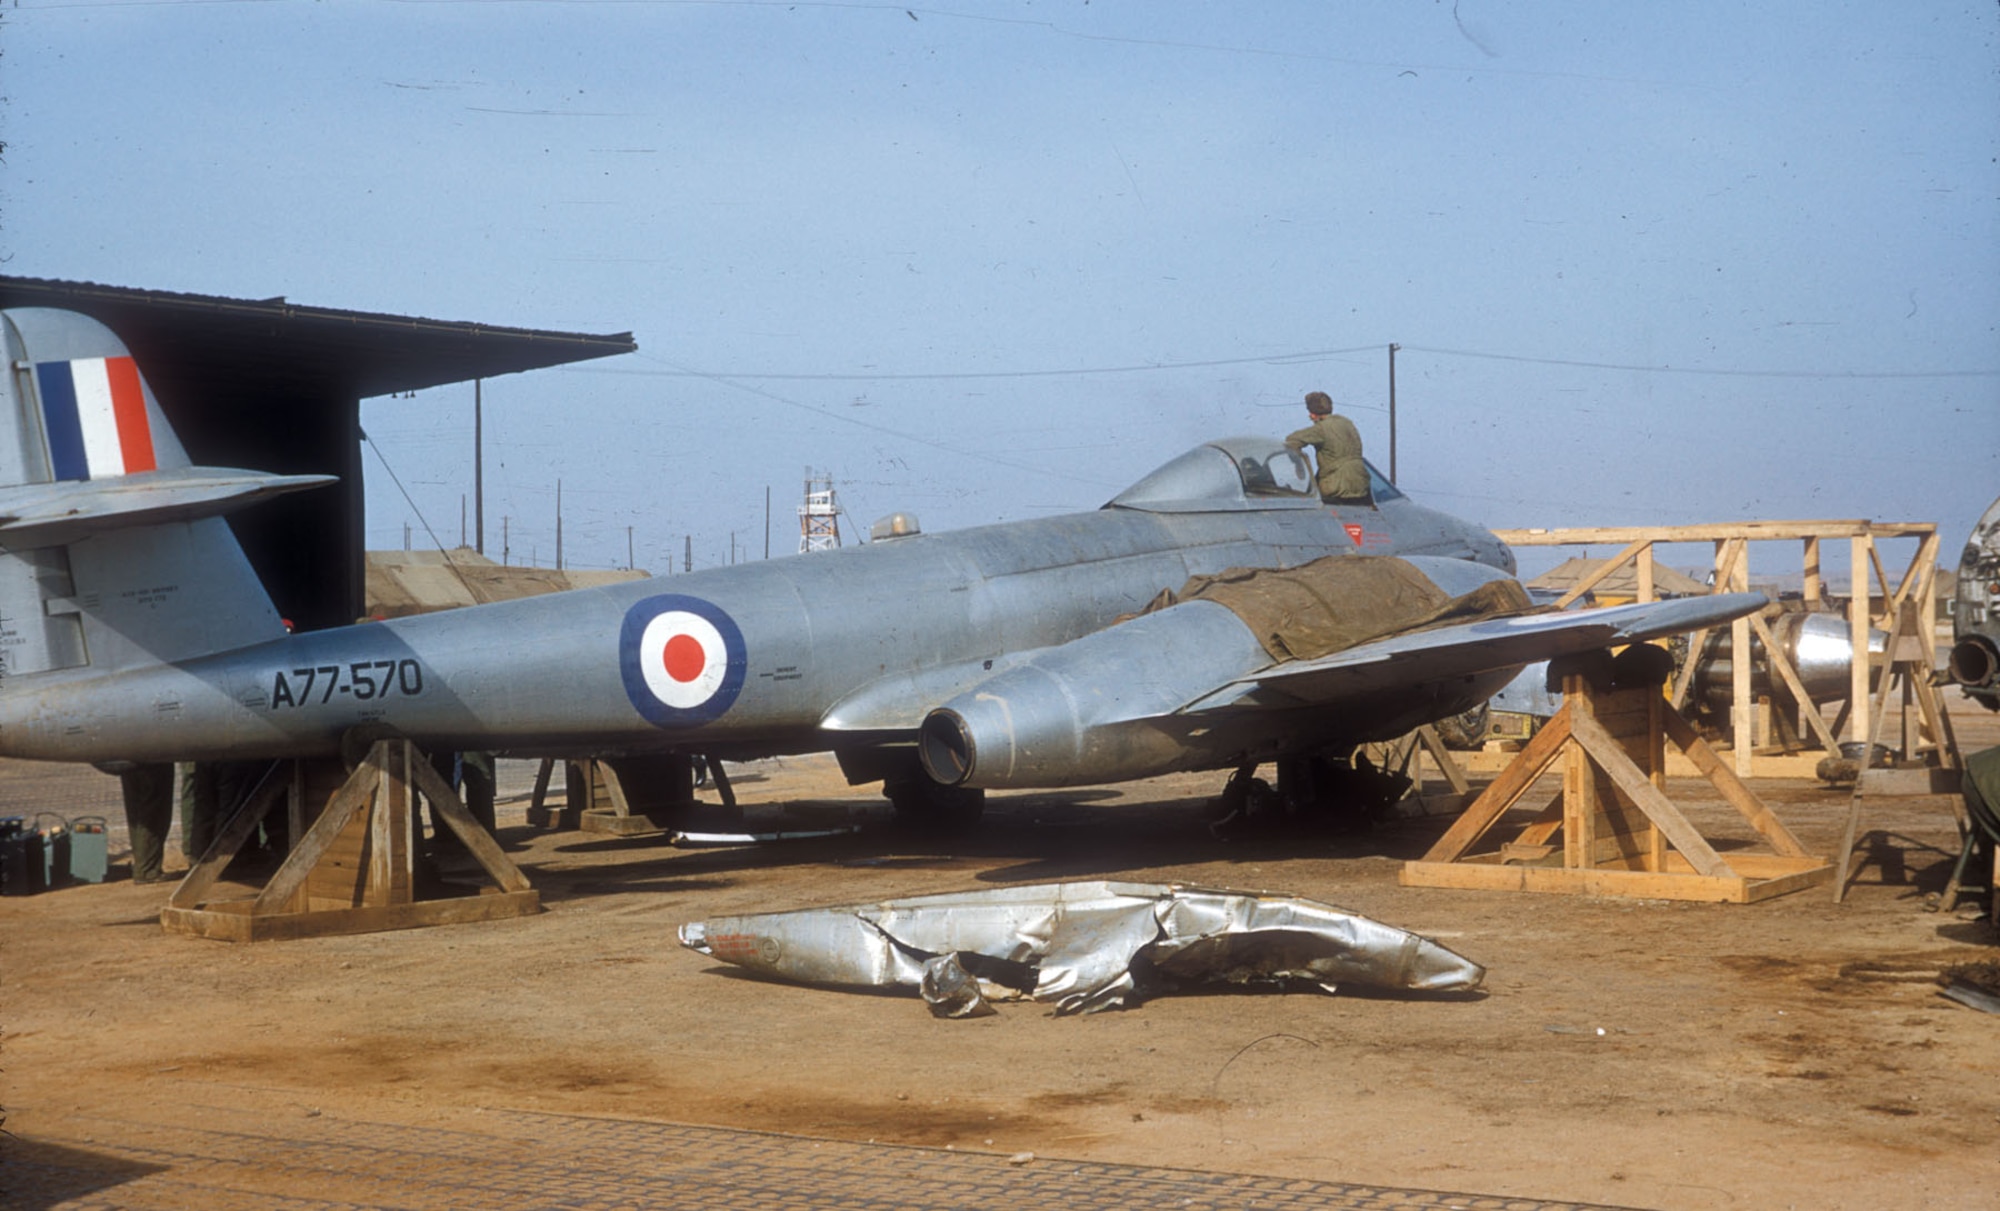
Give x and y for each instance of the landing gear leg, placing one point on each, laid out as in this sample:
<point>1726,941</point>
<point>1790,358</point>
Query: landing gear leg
<point>1246,802</point>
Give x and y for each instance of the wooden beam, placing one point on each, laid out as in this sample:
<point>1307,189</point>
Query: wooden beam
<point>1612,759</point>
<point>484,848</point>
<point>307,851</point>
<point>1604,570</point>
<point>1447,765</point>
<point>1858,720</point>
<point>1781,663</point>
<point>195,885</point>
<point>1750,531</point>
<point>1854,800</point>
<point>1732,789</point>
<point>1500,794</point>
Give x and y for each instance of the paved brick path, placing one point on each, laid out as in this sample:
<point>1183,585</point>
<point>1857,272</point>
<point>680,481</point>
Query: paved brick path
<point>543,1162</point>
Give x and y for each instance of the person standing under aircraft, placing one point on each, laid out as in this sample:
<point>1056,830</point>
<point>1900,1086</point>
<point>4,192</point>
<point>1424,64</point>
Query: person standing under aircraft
<point>1343,477</point>
<point>149,815</point>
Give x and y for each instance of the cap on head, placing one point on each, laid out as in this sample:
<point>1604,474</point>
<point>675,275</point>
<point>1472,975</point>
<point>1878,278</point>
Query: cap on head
<point>1319,403</point>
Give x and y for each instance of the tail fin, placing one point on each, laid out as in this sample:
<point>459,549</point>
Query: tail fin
<point>112,550</point>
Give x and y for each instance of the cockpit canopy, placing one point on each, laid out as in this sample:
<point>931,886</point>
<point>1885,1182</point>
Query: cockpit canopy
<point>1234,473</point>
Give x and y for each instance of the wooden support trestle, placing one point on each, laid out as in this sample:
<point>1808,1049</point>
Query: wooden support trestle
<point>1907,664</point>
<point>354,868</point>
<point>1619,833</point>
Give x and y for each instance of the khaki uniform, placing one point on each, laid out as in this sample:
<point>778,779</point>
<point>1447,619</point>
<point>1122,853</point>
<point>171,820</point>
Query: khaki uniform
<point>1343,477</point>
<point>149,816</point>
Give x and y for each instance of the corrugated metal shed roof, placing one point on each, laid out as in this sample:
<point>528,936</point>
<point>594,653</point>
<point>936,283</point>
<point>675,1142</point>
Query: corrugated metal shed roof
<point>276,349</point>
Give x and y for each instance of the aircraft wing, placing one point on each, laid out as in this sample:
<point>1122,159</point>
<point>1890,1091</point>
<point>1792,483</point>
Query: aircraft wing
<point>1469,648</point>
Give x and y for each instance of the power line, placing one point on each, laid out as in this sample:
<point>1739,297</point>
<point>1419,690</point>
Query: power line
<point>1274,359</point>
<point>1279,359</point>
<point>885,430</point>
<point>1726,373</point>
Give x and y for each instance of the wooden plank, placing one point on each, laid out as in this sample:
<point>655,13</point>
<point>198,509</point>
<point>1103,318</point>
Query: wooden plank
<point>1434,745</point>
<point>1754,531</point>
<point>1604,570</point>
<point>1545,823</point>
<point>1928,780</point>
<point>1776,659</point>
<point>340,878</point>
<point>236,926</point>
<point>1854,800</point>
<point>1523,772</point>
<point>480,842</point>
<point>1655,765</point>
<point>307,850</point>
<point>1858,624</point>
<point>1628,883</point>
<point>1732,789</point>
<point>1741,719</point>
<point>201,878</point>
<point>1580,814</point>
<point>1637,884</point>
<point>1630,779</point>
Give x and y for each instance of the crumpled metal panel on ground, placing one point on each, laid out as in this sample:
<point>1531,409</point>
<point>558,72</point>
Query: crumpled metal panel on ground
<point>1081,946</point>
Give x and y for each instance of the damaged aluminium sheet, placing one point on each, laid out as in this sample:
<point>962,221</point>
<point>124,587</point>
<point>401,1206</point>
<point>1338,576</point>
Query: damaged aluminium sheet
<point>1082,946</point>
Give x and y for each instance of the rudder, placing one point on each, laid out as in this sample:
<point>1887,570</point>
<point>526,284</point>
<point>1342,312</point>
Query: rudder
<point>112,551</point>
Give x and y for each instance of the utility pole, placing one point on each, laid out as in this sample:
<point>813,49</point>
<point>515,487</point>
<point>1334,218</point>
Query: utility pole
<point>478,470</point>
<point>558,525</point>
<point>687,554</point>
<point>767,521</point>
<point>505,549</point>
<point>631,561</point>
<point>1392,411</point>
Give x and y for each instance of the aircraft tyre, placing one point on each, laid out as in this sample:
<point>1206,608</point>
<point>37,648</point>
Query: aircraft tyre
<point>1465,730</point>
<point>924,806</point>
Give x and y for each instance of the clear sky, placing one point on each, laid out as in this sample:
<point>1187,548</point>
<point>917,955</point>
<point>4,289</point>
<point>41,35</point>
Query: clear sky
<point>1663,263</point>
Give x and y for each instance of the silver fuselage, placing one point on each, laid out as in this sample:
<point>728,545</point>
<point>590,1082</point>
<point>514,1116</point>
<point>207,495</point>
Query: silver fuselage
<point>837,648</point>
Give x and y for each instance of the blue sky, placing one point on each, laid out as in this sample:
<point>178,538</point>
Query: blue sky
<point>1647,263</point>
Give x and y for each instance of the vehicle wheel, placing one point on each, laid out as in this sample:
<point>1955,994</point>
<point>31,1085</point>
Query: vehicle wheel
<point>1465,730</point>
<point>928,807</point>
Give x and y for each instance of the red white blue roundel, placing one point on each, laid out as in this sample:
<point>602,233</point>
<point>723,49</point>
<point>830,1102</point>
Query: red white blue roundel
<point>682,660</point>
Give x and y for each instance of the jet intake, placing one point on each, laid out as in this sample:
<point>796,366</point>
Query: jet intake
<point>1975,662</point>
<point>1089,710</point>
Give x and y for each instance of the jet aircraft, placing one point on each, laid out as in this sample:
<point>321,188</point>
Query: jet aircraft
<point>133,629</point>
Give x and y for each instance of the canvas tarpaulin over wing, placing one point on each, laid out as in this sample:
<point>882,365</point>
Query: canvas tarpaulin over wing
<point>1339,601</point>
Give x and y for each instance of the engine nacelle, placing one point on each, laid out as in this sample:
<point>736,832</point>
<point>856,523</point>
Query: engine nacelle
<point>1088,711</point>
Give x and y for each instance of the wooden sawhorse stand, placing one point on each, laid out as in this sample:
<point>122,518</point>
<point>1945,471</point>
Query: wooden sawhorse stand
<point>1621,835</point>
<point>354,870</point>
<point>1908,664</point>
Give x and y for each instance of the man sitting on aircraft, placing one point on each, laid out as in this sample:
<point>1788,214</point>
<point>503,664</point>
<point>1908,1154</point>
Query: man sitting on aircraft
<point>1343,477</point>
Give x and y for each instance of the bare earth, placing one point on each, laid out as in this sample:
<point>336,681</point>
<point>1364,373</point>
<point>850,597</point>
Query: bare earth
<point>1793,1053</point>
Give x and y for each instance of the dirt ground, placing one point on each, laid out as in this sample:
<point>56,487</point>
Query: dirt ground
<point>1793,1053</point>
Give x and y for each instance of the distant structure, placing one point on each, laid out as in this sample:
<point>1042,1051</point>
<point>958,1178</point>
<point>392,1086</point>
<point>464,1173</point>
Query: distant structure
<point>819,517</point>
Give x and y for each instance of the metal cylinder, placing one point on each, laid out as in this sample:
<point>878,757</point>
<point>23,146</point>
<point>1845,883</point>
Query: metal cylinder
<point>1817,645</point>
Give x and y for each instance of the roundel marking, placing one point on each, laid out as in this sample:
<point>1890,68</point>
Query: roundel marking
<point>682,659</point>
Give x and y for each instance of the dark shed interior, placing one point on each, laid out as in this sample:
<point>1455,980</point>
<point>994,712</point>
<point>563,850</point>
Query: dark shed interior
<point>274,386</point>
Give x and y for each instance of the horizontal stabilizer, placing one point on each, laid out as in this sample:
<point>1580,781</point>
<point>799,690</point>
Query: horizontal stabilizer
<point>51,514</point>
<point>1470,648</point>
